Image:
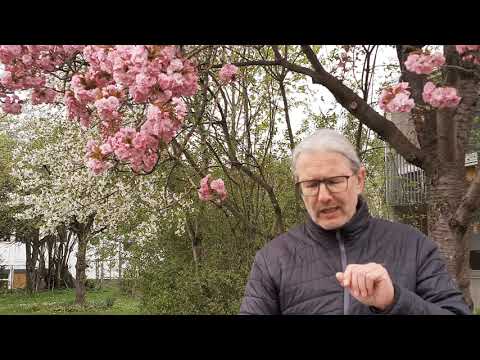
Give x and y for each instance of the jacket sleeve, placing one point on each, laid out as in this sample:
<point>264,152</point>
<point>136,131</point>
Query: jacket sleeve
<point>436,293</point>
<point>261,293</point>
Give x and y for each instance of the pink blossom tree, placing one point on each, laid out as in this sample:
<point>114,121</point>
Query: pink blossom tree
<point>440,92</point>
<point>444,89</point>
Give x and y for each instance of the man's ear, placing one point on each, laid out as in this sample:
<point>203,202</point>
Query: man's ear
<point>361,176</point>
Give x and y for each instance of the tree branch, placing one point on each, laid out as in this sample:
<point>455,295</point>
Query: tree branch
<point>287,115</point>
<point>227,204</point>
<point>249,63</point>
<point>358,107</point>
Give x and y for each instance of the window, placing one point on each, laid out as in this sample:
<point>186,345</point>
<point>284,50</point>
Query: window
<point>475,251</point>
<point>4,274</point>
<point>4,278</point>
<point>475,259</point>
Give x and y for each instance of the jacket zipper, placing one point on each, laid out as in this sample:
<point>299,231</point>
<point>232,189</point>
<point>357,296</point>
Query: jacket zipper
<point>343,255</point>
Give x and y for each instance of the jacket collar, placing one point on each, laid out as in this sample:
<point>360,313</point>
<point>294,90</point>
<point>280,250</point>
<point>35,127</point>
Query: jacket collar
<point>356,225</point>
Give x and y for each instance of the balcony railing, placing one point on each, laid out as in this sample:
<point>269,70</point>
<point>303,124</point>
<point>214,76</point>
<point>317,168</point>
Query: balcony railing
<point>405,183</point>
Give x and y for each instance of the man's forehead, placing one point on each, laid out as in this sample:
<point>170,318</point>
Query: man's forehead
<point>322,159</point>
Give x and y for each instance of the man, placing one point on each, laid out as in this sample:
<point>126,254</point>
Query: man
<point>342,260</point>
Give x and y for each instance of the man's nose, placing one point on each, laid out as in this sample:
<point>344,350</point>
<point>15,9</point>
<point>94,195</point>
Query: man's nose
<point>324,194</point>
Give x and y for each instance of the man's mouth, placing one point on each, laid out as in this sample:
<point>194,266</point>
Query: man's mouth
<point>329,210</point>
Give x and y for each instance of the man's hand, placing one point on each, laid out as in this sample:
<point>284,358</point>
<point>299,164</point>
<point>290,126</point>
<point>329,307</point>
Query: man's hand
<point>368,283</point>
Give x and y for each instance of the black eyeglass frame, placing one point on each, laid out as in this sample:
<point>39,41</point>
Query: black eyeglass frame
<point>325,181</point>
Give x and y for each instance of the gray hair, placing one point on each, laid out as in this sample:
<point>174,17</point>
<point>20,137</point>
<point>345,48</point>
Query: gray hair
<point>327,140</point>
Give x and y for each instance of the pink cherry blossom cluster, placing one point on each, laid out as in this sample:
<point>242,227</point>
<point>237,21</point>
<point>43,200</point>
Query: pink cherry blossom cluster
<point>11,104</point>
<point>137,148</point>
<point>105,81</point>
<point>96,156</point>
<point>440,97</point>
<point>396,98</point>
<point>344,59</point>
<point>151,75</point>
<point>43,96</point>
<point>424,63</point>
<point>469,52</point>
<point>27,66</point>
<point>228,73</point>
<point>76,109</point>
<point>163,122</point>
<point>209,189</point>
<point>148,74</point>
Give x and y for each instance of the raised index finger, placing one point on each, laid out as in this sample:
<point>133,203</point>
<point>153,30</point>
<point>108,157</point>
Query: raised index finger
<point>347,276</point>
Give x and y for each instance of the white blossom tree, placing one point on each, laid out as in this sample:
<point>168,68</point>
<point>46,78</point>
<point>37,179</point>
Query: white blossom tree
<point>56,188</point>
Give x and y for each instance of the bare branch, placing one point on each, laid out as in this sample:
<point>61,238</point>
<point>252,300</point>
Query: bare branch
<point>249,63</point>
<point>287,115</point>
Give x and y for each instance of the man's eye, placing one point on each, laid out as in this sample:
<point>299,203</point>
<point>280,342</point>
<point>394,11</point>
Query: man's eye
<point>335,181</point>
<point>311,184</point>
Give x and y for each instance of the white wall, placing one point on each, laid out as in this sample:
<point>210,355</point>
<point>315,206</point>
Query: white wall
<point>13,254</point>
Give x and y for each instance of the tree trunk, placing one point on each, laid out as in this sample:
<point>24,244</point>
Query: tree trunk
<point>102,272</point>
<point>49,242</point>
<point>68,279</point>
<point>58,268</point>
<point>97,274</point>
<point>41,278</point>
<point>445,189</point>
<point>119,260</point>
<point>30,267</point>
<point>83,231</point>
<point>59,265</point>
<point>80,267</point>
<point>196,239</point>
<point>32,243</point>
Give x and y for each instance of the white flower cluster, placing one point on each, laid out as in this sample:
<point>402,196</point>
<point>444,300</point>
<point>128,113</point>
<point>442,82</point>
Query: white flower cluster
<point>54,185</point>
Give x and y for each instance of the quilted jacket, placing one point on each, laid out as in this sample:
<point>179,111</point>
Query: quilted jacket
<point>295,272</point>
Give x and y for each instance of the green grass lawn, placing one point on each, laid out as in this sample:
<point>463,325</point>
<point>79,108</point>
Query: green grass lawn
<point>103,301</point>
<point>106,300</point>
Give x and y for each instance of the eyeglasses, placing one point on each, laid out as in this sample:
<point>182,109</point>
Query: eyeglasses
<point>335,184</point>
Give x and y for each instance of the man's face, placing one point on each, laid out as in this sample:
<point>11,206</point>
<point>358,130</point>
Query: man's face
<point>327,209</point>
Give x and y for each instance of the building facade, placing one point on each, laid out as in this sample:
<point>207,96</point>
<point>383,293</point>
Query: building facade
<point>13,265</point>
